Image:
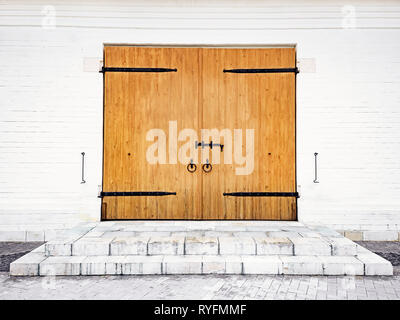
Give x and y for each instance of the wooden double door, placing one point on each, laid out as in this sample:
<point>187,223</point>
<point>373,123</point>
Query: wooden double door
<point>199,133</point>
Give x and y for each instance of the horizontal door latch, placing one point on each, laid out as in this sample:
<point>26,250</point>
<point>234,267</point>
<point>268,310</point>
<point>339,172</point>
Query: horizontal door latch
<point>211,145</point>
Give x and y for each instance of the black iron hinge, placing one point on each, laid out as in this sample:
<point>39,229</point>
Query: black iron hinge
<point>262,194</point>
<point>274,70</point>
<point>134,193</point>
<point>113,69</point>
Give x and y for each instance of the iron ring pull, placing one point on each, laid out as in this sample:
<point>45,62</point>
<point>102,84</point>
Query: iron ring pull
<point>191,167</point>
<point>207,167</point>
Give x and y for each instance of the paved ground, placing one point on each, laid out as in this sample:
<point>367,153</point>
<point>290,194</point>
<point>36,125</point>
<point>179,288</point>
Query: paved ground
<point>10,251</point>
<point>201,287</point>
<point>386,249</point>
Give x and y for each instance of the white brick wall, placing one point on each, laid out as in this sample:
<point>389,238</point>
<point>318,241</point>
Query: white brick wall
<point>347,110</point>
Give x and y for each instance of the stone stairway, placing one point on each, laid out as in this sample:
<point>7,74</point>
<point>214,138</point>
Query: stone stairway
<point>200,247</point>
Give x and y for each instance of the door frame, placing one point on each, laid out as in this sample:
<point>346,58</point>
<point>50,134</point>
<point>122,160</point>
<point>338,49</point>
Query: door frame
<point>240,46</point>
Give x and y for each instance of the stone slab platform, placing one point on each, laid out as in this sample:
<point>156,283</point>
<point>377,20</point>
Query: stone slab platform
<point>200,247</point>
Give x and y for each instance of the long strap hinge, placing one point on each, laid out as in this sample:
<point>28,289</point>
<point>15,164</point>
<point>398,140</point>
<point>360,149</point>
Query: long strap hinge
<point>115,69</point>
<point>135,193</point>
<point>262,194</point>
<point>258,70</point>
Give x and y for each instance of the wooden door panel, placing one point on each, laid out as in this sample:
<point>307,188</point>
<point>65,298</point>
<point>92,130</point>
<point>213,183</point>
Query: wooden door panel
<point>136,102</point>
<point>265,103</point>
<point>199,95</point>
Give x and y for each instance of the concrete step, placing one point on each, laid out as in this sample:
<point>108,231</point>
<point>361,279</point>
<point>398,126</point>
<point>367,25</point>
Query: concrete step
<point>37,263</point>
<point>200,248</point>
<point>192,245</point>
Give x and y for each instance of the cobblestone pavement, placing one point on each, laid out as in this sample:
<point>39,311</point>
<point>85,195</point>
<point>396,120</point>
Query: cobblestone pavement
<point>201,287</point>
<point>187,287</point>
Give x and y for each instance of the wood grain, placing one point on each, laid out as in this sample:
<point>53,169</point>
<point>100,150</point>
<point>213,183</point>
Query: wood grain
<point>199,96</point>
<point>134,104</point>
<point>265,103</point>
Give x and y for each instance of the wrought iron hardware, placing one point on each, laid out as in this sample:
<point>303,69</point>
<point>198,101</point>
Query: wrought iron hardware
<point>191,167</point>
<point>211,145</point>
<point>315,168</point>
<point>262,194</point>
<point>273,70</point>
<point>135,193</point>
<point>207,167</point>
<point>114,69</point>
<point>83,168</point>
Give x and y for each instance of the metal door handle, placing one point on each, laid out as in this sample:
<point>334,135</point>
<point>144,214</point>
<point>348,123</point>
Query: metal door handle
<point>83,167</point>
<point>315,172</point>
<point>211,145</point>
